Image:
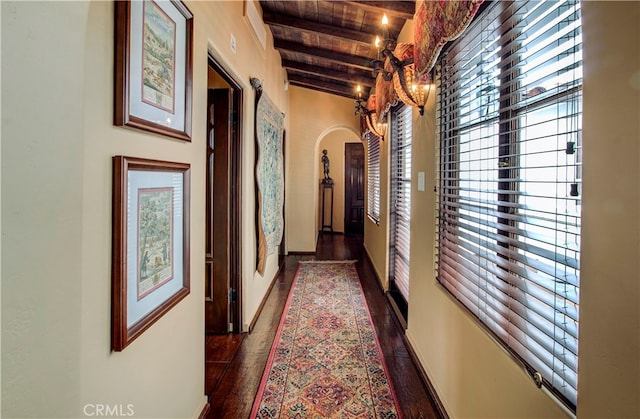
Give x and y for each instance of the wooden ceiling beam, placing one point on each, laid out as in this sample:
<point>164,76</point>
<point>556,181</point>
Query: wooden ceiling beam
<point>303,25</point>
<point>364,79</point>
<point>362,63</point>
<point>320,89</point>
<point>401,9</point>
<point>322,86</point>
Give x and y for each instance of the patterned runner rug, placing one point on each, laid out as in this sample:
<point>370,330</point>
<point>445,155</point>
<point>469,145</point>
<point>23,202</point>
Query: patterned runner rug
<point>326,360</point>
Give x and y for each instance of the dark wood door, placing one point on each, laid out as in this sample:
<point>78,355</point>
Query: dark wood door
<point>354,188</point>
<point>217,285</point>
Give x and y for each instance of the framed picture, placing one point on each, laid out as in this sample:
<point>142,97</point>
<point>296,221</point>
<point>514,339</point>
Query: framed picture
<point>153,67</point>
<point>150,271</point>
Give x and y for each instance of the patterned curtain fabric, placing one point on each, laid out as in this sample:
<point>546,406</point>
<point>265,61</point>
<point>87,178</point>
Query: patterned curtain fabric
<point>435,23</point>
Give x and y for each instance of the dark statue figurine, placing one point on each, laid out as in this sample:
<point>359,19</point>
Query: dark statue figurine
<point>325,164</point>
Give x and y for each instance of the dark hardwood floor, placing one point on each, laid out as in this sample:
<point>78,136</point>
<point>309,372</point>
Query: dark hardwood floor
<point>235,362</point>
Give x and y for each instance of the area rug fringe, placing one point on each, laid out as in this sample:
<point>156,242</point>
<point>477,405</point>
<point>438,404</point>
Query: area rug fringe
<point>326,360</point>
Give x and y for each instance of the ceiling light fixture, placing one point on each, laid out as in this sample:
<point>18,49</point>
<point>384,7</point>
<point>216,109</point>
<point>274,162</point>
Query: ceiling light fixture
<point>366,109</point>
<point>410,91</point>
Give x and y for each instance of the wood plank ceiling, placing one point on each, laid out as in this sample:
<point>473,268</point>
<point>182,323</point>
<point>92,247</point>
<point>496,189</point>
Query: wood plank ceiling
<point>328,45</point>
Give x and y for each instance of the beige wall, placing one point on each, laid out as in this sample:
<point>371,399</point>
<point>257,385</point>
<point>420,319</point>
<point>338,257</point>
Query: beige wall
<point>314,116</point>
<point>215,81</point>
<point>42,199</point>
<point>376,236</point>
<point>58,140</point>
<point>609,363</point>
<point>473,376</point>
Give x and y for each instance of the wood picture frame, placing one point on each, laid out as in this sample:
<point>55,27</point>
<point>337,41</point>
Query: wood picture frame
<point>150,255</point>
<point>154,67</point>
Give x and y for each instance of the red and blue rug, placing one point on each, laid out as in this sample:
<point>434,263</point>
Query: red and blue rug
<point>326,360</point>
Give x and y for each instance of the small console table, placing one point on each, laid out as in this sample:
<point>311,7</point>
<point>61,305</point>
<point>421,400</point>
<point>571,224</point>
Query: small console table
<point>326,192</point>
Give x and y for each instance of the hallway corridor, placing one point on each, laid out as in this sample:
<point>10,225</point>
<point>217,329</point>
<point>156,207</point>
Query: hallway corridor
<point>235,363</point>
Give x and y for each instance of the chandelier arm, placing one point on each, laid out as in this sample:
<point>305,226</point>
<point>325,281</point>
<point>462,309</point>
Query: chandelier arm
<point>378,68</point>
<point>396,64</point>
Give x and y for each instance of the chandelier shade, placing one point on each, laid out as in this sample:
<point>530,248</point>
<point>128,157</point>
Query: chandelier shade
<point>367,111</point>
<point>378,128</point>
<point>410,90</point>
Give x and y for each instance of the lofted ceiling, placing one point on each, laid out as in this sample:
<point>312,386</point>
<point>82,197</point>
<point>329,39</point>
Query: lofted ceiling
<point>328,45</point>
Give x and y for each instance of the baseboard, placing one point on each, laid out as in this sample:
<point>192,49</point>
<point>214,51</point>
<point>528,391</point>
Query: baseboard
<point>396,310</point>
<point>266,295</point>
<point>370,262</point>
<point>439,406</point>
<point>440,410</point>
<point>302,253</point>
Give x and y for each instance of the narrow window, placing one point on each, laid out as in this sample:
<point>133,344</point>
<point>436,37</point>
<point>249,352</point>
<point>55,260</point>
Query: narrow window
<point>401,133</point>
<point>373,177</point>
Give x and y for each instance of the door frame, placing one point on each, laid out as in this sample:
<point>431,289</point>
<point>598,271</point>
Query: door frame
<point>235,194</point>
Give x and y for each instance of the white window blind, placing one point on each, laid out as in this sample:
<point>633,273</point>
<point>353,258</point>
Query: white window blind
<point>401,133</point>
<point>373,177</point>
<point>509,120</point>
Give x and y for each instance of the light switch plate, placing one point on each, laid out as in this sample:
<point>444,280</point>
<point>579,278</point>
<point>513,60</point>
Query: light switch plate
<point>233,43</point>
<point>421,181</point>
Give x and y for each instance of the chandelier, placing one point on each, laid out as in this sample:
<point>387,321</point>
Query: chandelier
<point>366,109</point>
<point>409,89</point>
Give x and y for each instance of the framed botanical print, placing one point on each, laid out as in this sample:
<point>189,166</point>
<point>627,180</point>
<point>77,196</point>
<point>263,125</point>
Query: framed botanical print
<point>150,266</point>
<point>153,67</point>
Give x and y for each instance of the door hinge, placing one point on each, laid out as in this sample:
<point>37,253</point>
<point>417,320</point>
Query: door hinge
<point>232,295</point>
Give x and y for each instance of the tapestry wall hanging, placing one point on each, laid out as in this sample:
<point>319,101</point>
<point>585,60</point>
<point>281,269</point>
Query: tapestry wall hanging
<point>269,131</point>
